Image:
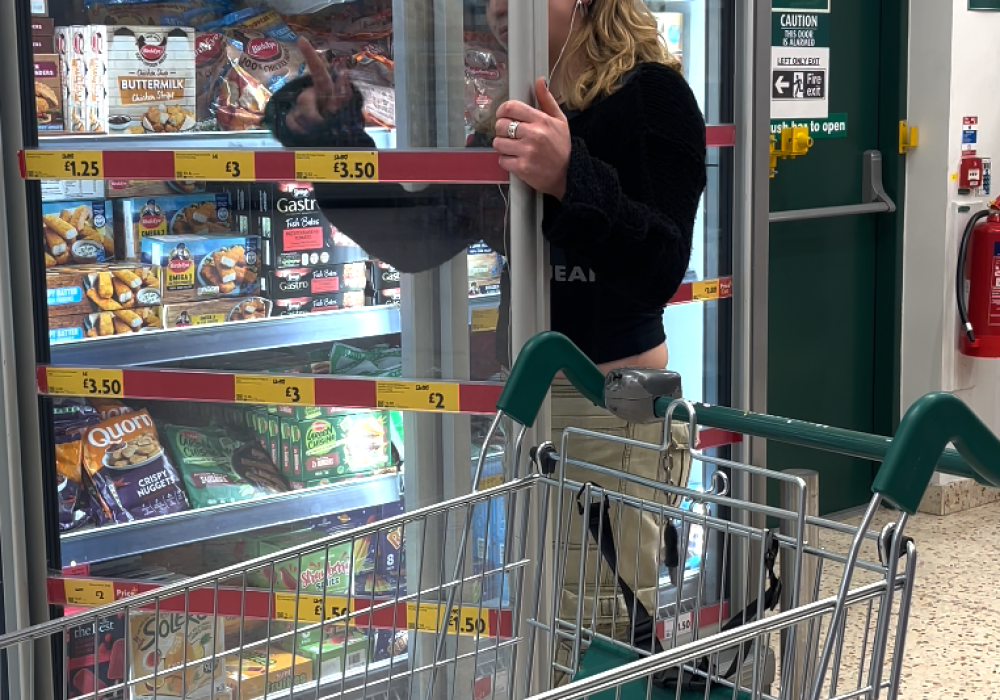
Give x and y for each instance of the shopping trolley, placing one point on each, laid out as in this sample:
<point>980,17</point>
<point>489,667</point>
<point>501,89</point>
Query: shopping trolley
<point>566,598</point>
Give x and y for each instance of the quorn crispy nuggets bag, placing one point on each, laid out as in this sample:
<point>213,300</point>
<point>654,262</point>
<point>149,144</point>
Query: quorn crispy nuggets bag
<point>130,470</point>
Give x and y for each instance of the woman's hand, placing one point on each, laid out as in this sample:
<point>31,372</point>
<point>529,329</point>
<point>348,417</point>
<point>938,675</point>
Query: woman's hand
<point>327,95</point>
<point>539,153</point>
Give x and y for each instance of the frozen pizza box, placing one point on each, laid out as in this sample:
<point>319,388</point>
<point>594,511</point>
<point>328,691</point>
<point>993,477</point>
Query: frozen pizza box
<point>163,643</point>
<point>78,232</point>
<point>212,311</point>
<point>87,289</point>
<point>75,327</point>
<point>196,268</point>
<point>258,674</point>
<point>48,90</point>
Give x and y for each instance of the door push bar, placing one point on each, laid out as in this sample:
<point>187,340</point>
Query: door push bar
<point>873,197</point>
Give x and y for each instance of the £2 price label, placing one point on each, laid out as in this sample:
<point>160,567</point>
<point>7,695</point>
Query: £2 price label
<point>336,166</point>
<point>206,165</point>
<point>98,383</point>
<point>417,396</point>
<point>276,389</point>
<point>64,165</point>
<point>88,593</point>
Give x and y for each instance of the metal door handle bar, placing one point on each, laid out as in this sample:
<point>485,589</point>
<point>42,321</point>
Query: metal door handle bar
<point>873,197</point>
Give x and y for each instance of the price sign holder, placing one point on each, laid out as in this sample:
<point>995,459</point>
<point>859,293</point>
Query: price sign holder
<point>71,381</point>
<point>708,289</point>
<point>417,396</point>
<point>215,166</point>
<point>281,390</point>
<point>309,608</point>
<point>88,593</point>
<point>336,166</point>
<point>64,165</point>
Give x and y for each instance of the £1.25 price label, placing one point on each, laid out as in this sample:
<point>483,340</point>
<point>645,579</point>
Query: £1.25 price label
<point>206,165</point>
<point>71,381</point>
<point>88,593</point>
<point>336,166</point>
<point>64,165</point>
<point>417,396</point>
<point>276,389</point>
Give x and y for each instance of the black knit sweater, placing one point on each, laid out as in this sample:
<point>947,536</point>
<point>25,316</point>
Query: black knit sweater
<point>620,238</point>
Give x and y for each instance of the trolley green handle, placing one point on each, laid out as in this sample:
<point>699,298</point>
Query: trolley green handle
<point>909,459</point>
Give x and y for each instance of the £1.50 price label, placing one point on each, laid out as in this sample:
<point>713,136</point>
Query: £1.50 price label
<point>468,620</point>
<point>309,608</point>
<point>336,166</point>
<point>64,165</point>
<point>417,396</point>
<point>205,165</point>
<point>88,593</point>
<point>279,390</point>
<point>99,383</point>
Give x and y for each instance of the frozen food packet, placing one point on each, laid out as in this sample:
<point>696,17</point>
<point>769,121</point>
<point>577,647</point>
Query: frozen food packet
<point>485,82</point>
<point>218,469</point>
<point>131,473</point>
<point>372,74</point>
<point>261,56</point>
<point>158,13</point>
<point>210,60</point>
<point>71,421</point>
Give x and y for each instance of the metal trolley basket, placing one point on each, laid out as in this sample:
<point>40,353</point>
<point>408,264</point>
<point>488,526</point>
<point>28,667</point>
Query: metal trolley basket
<point>547,605</point>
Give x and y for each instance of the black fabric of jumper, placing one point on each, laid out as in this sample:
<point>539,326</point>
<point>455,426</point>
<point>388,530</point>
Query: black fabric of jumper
<point>620,237</point>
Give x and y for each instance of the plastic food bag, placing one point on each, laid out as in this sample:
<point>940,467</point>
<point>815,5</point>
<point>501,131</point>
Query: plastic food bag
<point>157,13</point>
<point>485,82</point>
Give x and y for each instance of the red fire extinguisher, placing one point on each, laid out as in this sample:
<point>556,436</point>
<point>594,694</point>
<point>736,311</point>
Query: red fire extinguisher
<point>977,283</point>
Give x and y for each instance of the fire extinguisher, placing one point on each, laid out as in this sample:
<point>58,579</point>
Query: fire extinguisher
<point>977,283</point>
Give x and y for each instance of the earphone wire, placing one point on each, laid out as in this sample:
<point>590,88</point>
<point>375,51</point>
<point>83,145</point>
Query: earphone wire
<point>572,22</point>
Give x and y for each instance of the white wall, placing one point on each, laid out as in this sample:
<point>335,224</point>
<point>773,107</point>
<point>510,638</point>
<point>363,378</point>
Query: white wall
<point>952,70</point>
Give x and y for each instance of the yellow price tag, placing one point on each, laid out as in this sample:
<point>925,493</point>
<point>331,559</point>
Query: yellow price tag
<point>336,166</point>
<point>102,383</point>
<point>64,165</point>
<point>468,620</point>
<point>283,390</point>
<point>485,319</point>
<point>309,608</point>
<point>417,396</point>
<point>88,593</point>
<point>488,482</point>
<point>203,165</point>
<point>425,617</point>
<point>708,289</point>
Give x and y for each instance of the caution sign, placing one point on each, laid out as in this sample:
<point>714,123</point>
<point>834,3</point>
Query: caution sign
<point>800,65</point>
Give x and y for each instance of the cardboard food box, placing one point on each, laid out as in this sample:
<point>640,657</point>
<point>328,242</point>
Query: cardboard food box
<point>164,642</point>
<point>196,268</point>
<point>319,303</point>
<point>196,214</point>
<point>95,648</point>
<point>90,289</point>
<point>147,84</point>
<point>69,43</point>
<point>340,446</point>
<point>40,7</point>
<point>78,232</point>
<point>211,311</point>
<point>68,329</point>
<point>258,674</point>
<point>238,205</point>
<point>63,190</point>
<point>48,91</point>
<point>484,270</point>
<point>42,26</point>
<point>297,282</point>
<point>294,230</point>
<point>42,44</point>
<point>338,654</point>
<point>305,573</point>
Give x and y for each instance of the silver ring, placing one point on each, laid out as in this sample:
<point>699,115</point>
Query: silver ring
<point>512,130</point>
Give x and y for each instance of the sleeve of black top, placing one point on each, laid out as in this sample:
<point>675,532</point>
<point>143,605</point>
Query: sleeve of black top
<point>663,162</point>
<point>411,230</point>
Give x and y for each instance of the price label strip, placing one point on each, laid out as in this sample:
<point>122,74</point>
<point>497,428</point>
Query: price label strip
<point>64,165</point>
<point>417,396</point>
<point>485,319</point>
<point>336,166</point>
<point>708,289</point>
<point>289,606</point>
<point>204,165</point>
<point>466,620</point>
<point>86,593</point>
<point>102,383</point>
<point>277,389</point>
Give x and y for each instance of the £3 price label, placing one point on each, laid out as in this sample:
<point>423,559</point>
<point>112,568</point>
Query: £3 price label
<point>88,593</point>
<point>306,608</point>
<point>279,390</point>
<point>64,165</point>
<point>205,165</point>
<point>417,396</point>
<point>336,166</point>
<point>98,383</point>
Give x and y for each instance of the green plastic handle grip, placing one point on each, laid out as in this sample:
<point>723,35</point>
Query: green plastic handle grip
<point>538,363</point>
<point>931,423</point>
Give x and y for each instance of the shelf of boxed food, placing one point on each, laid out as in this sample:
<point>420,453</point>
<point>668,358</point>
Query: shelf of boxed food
<point>384,139</point>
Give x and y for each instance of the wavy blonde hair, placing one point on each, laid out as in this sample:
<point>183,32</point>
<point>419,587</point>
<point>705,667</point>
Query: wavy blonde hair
<point>616,36</point>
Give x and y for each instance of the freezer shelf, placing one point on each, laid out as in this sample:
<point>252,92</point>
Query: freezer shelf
<point>114,541</point>
<point>246,140</point>
<point>179,344</point>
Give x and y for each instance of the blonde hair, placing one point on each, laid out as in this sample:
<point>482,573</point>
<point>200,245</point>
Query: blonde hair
<point>616,36</point>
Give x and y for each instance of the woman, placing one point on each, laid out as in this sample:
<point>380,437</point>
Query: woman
<point>617,145</point>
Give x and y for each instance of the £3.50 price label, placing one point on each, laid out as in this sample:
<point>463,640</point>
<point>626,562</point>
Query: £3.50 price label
<point>88,593</point>
<point>709,289</point>
<point>336,166</point>
<point>64,165</point>
<point>205,165</point>
<point>307,608</point>
<point>281,390</point>
<point>417,396</point>
<point>100,383</point>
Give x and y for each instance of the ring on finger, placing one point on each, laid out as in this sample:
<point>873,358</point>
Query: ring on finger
<point>512,129</point>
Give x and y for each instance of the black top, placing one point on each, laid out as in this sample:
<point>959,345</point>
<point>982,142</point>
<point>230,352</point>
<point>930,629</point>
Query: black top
<point>620,238</point>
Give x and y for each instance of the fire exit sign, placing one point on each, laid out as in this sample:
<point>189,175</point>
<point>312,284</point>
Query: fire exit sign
<point>990,5</point>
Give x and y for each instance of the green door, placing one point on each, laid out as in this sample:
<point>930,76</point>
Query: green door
<point>833,283</point>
